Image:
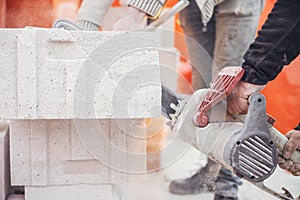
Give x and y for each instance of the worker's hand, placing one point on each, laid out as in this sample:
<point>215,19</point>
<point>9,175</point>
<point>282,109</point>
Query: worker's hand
<point>135,19</point>
<point>237,101</point>
<point>290,147</point>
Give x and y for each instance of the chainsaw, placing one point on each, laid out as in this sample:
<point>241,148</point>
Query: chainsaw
<point>248,145</point>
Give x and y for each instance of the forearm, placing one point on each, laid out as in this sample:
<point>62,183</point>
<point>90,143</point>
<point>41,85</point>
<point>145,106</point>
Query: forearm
<point>277,43</point>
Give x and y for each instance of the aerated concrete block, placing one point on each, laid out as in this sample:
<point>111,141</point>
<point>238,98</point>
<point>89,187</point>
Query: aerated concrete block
<point>77,103</point>
<point>4,160</point>
<point>169,56</point>
<point>72,152</point>
<point>78,192</point>
<point>59,74</point>
<point>169,60</point>
<point>16,197</point>
<point>166,33</point>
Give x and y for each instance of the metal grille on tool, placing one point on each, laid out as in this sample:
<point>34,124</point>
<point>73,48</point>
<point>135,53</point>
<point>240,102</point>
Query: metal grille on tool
<point>256,160</point>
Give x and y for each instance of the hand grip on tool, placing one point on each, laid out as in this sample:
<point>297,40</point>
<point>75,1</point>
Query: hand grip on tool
<point>280,141</point>
<point>222,86</point>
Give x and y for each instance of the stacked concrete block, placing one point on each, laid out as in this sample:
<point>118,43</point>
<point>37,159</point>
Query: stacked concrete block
<point>55,74</point>
<point>169,60</point>
<point>4,160</point>
<point>16,197</point>
<point>77,103</point>
<point>169,56</point>
<point>59,152</point>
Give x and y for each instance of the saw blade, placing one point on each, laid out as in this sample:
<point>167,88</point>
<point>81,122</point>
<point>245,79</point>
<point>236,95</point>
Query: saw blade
<point>168,97</point>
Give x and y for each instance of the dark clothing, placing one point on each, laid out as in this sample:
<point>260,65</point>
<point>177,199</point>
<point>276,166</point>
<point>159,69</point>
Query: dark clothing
<point>297,127</point>
<point>277,44</point>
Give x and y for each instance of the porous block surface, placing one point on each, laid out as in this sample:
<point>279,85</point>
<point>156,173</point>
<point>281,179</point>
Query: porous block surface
<point>59,74</point>
<point>72,152</point>
<point>4,160</point>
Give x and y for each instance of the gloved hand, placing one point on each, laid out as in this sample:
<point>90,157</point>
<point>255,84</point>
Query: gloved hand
<point>135,19</point>
<point>290,147</point>
<point>237,101</point>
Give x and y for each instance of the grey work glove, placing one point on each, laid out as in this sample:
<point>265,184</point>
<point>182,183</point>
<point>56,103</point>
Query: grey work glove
<point>290,147</point>
<point>135,19</point>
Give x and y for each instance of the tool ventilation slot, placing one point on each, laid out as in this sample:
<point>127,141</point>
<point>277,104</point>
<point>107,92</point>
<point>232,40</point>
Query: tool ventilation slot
<point>256,159</point>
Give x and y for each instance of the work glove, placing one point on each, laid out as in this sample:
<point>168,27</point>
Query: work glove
<point>135,19</point>
<point>290,147</point>
<point>87,25</point>
<point>237,101</point>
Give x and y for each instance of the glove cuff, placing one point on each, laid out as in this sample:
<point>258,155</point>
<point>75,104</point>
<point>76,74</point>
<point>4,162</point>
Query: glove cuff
<point>150,7</point>
<point>87,26</point>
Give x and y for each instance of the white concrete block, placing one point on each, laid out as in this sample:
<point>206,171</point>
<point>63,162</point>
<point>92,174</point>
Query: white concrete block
<point>16,197</point>
<point>59,74</point>
<point>69,152</point>
<point>169,61</point>
<point>4,160</point>
<point>166,32</point>
<point>169,56</point>
<point>74,192</point>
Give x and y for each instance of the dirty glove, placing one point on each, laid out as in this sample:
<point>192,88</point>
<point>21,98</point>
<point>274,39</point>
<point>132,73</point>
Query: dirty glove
<point>237,101</point>
<point>290,147</point>
<point>135,19</point>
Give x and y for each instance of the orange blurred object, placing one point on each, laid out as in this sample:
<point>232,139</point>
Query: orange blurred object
<point>283,97</point>
<point>184,83</point>
<point>170,3</point>
<point>21,13</point>
<point>116,3</point>
<point>65,9</point>
<point>2,13</point>
<point>157,132</point>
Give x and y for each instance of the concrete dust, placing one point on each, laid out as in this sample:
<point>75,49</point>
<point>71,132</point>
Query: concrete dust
<point>156,188</point>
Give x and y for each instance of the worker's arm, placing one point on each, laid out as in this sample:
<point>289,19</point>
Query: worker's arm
<point>91,13</point>
<point>139,10</point>
<point>291,146</point>
<point>277,45</point>
<point>149,7</point>
<point>133,20</point>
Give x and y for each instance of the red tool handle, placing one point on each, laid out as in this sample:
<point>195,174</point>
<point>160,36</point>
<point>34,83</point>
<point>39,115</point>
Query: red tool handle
<point>221,86</point>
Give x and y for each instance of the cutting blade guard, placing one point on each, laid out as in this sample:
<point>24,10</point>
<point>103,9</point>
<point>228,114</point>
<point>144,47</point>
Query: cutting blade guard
<point>220,87</point>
